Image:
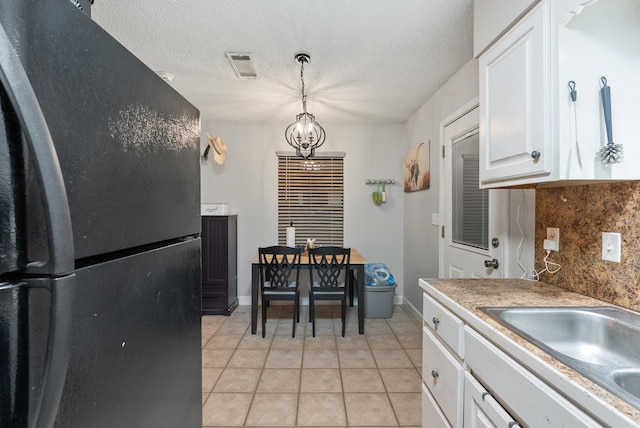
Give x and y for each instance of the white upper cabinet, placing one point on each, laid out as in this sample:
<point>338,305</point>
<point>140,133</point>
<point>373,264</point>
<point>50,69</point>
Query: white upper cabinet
<point>531,131</point>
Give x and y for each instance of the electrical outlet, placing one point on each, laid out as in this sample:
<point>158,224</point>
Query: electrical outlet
<point>611,246</point>
<point>553,239</point>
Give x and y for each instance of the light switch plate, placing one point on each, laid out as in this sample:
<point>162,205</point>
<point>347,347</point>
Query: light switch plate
<point>435,219</point>
<point>611,246</point>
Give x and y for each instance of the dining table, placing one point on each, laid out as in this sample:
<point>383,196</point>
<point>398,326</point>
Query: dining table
<point>356,276</point>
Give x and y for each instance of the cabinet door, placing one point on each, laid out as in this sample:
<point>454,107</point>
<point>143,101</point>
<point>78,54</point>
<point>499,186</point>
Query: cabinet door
<point>481,410</point>
<point>443,375</point>
<point>432,416</point>
<point>515,102</point>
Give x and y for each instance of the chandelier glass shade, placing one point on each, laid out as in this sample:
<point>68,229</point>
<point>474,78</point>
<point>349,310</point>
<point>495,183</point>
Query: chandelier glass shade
<point>305,135</point>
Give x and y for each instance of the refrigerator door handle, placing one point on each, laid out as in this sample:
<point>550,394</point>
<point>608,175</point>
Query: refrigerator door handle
<point>23,99</point>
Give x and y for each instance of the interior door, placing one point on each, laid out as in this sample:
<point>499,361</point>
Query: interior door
<point>475,221</point>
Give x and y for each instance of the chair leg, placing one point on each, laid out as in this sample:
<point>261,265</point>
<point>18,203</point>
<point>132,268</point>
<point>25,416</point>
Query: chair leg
<point>312,313</point>
<point>344,313</point>
<point>296,315</point>
<point>264,315</point>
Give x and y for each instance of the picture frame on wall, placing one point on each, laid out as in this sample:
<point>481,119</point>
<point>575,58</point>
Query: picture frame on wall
<point>416,173</point>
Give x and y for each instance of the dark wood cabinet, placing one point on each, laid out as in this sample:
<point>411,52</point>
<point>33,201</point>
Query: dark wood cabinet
<point>219,264</point>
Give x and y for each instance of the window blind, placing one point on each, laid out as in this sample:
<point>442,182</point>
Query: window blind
<point>311,196</point>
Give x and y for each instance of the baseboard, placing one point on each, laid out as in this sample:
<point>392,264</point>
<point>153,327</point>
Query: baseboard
<point>412,309</point>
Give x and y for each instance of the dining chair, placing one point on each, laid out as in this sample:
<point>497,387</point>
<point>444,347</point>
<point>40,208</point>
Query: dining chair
<point>276,266</point>
<point>330,265</point>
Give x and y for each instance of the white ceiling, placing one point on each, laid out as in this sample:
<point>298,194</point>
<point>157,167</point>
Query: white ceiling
<point>371,60</point>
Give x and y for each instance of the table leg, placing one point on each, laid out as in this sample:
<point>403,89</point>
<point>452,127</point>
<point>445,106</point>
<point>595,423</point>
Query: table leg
<point>352,285</point>
<point>254,297</point>
<point>360,286</point>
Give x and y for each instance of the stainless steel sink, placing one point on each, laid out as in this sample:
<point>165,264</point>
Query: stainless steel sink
<point>602,343</point>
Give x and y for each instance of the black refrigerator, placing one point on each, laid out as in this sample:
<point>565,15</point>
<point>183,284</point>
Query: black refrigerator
<point>99,230</point>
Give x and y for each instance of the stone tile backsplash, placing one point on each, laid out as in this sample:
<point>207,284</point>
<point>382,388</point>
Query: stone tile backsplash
<point>582,213</point>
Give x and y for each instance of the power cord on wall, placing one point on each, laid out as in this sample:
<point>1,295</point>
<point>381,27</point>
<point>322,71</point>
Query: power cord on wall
<point>550,267</point>
<point>522,237</point>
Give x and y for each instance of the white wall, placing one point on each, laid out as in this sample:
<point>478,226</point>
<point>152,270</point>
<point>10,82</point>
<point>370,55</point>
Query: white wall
<point>248,183</point>
<point>421,238</point>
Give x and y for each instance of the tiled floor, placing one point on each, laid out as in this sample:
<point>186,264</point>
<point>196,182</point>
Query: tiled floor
<point>327,380</point>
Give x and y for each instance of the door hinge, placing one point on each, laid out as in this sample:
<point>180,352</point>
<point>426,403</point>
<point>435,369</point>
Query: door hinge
<point>443,151</point>
<point>443,231</point>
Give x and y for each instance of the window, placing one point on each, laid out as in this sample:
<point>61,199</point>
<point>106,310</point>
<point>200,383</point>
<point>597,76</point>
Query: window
<point>311,196</point>
<point>470,222</point>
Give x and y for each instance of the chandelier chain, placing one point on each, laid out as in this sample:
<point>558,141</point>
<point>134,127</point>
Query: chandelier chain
<point>304,97</point>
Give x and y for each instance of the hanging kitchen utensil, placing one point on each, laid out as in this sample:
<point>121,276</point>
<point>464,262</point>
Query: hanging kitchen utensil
<point>574,96</point>
<point>611,153</point>
<point>377,196</point>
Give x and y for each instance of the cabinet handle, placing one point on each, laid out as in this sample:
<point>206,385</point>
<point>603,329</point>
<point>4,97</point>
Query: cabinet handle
<point>535,154</point>
<point>435,321</point>
<point>435,373</point>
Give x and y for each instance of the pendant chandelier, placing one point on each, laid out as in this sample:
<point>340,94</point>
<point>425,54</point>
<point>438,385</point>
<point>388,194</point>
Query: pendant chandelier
<point>305,134</point>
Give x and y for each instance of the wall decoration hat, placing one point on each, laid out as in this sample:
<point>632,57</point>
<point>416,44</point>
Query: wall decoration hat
<point>219,149</point>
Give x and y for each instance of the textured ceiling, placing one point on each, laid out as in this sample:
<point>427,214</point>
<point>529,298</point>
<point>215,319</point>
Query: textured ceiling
<point>371,60</point>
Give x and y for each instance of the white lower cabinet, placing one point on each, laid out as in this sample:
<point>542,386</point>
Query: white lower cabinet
<point>486,388</point>
<point>528,399</point>
<point>444,376</point>
<point>481,410</point>
<point>432,416</point>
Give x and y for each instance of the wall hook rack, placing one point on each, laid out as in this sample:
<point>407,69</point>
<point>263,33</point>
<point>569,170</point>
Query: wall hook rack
<point>379,181</point>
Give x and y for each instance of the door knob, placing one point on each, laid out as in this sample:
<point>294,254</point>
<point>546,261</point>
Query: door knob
<point>535,154</point>
<point>491,263</point>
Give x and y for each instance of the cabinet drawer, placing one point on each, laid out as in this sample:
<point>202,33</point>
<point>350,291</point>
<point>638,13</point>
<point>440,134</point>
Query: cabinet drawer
<point>527,398</point>
<point>444,324</point>
<point>443,375</point>
<point>432,416</point>
<point>481,409</point>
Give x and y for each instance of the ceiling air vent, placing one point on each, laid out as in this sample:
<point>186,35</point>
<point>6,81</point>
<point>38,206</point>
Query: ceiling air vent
<point>242,65</point>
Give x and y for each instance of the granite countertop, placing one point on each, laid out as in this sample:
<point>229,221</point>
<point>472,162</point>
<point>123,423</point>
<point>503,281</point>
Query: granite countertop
<point>463,297</point>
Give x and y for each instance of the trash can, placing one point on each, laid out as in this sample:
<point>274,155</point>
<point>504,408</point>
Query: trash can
<point>379,289</point>
<point>378,300</point>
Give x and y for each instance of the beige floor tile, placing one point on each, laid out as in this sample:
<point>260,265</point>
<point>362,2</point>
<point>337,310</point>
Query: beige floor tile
<point>233,328</point>
<point>356,359</point>
<point>205,395</point>
<point>392,359</point>
<point>205,339</point>
<point>324,326</point>
<point>279,380</point>
<point>209,378</point>
<point>284,326</point>
<point>320,380</point>
<point>407,407</point>
<point>362,380</point>
<point>321,410</point>
<point>369,409</point>
<point>244,358</point>
<point>238,380</point>
<point>410,341</point>
<point>401,380</point>
<point>284,358</point>
<point>415,355</point>
<point>383,341</point>
<point>376,326</point>
<point>226,410</point>
<point>224,341</point>
<point>352,342</point>
<point>255,341</point>
<point>320,358</point>
<point>320,342</point>
<point>214,358</point>
<point>282,341</point>
<point>273,410</point>
<point>407,327</point>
